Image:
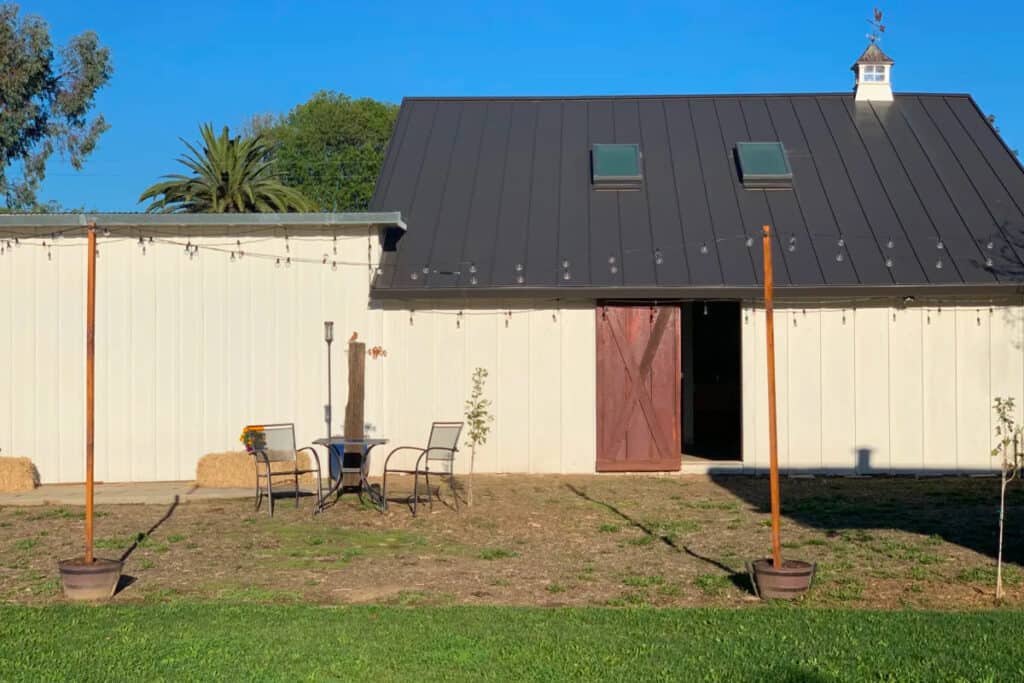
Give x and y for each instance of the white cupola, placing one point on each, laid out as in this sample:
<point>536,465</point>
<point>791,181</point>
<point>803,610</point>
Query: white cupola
<point>873,73</point>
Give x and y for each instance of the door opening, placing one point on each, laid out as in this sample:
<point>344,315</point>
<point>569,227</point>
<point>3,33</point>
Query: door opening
<point>711,380</point>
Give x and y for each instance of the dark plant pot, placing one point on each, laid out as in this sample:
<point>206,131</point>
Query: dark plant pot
<point>789,581</point>
<point>96,581</point>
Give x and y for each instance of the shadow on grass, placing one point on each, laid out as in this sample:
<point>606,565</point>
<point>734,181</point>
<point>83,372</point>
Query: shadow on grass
<point>740,579</point>
<point>142,536</point>
<point>959,510</point>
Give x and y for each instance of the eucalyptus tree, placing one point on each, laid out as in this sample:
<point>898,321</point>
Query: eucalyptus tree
<point>46,95</point>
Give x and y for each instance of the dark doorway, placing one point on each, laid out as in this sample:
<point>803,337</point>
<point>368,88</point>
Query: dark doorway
<point>711,384</point>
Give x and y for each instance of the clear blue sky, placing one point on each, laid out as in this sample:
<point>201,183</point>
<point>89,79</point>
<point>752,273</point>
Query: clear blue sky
<point>182,63</point>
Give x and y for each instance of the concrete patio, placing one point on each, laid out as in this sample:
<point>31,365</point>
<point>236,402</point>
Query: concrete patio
<point>161,492</point>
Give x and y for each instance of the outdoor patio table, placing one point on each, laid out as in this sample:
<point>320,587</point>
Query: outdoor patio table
<point>336,447</point>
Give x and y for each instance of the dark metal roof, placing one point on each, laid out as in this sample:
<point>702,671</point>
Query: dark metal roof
<point>491,183</point>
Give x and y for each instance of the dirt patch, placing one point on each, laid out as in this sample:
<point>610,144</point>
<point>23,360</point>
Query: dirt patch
<point>547,540</point>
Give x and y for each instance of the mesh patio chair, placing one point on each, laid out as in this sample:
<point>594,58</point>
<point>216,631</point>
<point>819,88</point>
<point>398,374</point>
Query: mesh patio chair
<point>437,458</point>
<point>275,443</point>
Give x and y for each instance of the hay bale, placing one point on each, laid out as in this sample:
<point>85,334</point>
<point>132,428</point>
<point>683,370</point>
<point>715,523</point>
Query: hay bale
<point>17,474</point>
<point>235,469</point>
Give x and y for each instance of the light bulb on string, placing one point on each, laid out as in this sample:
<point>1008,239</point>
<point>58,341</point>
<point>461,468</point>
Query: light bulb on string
<point>705,308</point>
<point>939,245</point>
<point>938,264</point>
<point>792,243</point>
<point>334,244</point>
<point>841,243</point>
<point>426,270</point>
<point>749,241</point>
<point>989,262</point>
<point>472,280</point>
<point>287,248</point>
<point>658,258</point>
<point>839,257</point>
<point>414,275</point>
<point>888,262</point>
<point>704,248</point>
<point>565,264</point>
<point>277,263</point>
<point>472,268</point>
<point>567,276</point>
<point>519,267</point>
<point>232,256</point>
<point>324,260</point>
<point>520,279</point>
<point>990,245</point>
<point>106,232</point>
<point>288,262</point>
<point>334,265</point>
<point>890,244</point>
<point>380,271</point>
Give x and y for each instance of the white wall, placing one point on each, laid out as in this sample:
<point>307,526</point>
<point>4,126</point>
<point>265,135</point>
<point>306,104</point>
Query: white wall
<point>190,351</point>
<point>911,389</point>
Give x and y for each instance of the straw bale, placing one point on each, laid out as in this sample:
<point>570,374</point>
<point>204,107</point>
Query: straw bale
<point>17,474</point>
<point>234,469</point>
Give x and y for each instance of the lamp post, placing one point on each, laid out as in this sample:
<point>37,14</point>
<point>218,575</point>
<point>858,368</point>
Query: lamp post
<point>328,337</point>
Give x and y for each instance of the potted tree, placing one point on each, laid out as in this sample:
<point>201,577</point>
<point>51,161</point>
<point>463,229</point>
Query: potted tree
<point>89,577</point>
<point>773,577</point>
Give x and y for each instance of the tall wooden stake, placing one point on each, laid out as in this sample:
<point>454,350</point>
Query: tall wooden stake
<point>354,408</point>
<point>90,382</point>
<point>773,444</point>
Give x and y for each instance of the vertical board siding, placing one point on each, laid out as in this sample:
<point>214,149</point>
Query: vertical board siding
<point>897,389</point>
<point>189,351</point>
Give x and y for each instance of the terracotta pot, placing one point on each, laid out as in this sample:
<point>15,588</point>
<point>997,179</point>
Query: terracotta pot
<point>96,581</point>
<point>789,581</point>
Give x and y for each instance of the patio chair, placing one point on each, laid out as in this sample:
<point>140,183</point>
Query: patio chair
<point>436,458</point>
<point>275,443</point>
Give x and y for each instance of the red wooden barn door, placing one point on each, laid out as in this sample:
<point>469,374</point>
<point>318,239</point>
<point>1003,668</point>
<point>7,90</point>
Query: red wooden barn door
<point>638,392</point>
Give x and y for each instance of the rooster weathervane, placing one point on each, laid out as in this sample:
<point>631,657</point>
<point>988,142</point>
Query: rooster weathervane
<point>877,27</point>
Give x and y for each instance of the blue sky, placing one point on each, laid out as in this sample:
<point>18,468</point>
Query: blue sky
<point>179,64</point>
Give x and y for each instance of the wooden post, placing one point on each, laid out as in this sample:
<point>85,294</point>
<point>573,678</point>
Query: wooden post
<point>90,383</point>
<point>354,408</point>
<point>773,443</point>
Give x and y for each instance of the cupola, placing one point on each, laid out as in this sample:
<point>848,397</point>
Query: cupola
<point>873,71</point>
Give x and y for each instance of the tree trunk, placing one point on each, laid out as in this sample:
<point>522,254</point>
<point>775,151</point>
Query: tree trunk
<point>1002,517</point>
<point>469,479</point>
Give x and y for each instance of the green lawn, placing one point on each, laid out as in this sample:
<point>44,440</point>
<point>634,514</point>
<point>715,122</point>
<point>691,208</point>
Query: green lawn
<point>197,641</point>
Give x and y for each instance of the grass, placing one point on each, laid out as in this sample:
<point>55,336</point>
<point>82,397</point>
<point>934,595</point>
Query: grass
<point>497,554</point>
<point>159,641</point>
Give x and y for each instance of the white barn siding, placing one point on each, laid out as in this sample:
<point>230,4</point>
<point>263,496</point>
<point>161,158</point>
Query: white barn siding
<point>879,389</point>
<point>190,351</point>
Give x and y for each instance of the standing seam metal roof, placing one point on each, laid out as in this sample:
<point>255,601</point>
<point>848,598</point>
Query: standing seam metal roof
<point>488,183</point>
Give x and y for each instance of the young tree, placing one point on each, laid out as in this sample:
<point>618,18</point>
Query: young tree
<point>331,147</point>
<point>479,419</point>
<point>46,94</point>
<point>1008,445</point>
<point>230,175</point>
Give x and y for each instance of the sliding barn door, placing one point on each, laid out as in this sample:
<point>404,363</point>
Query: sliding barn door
<point>638,388</point>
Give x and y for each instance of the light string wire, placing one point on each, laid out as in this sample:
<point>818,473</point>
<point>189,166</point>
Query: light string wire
<point>788,240</point>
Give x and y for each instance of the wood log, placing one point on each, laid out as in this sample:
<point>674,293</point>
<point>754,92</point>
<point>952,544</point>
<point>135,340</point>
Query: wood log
<point>354,408</point>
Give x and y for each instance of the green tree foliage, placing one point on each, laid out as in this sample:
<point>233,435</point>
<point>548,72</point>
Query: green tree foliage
<point>229,175</point>
<point>331,147</point>
<point>46,94</point>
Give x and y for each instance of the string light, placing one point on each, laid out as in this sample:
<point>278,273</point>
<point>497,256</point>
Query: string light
<point>792,243</point>
<point>658,258</point>
<point>704,248</point>
<point>749,241</point>
<point>106,232</point>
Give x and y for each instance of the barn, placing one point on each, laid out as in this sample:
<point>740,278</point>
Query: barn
<point>600,257</point>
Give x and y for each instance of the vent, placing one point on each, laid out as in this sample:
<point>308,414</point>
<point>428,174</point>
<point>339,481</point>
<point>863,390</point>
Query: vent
<point>763,166</point>
<point>616,167</point>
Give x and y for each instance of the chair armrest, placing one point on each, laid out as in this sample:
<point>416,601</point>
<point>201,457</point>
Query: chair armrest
<point>403,448</point>
<point>312,450</point>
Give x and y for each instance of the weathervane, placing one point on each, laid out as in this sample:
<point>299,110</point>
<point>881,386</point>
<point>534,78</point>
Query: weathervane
<point>877,27</point>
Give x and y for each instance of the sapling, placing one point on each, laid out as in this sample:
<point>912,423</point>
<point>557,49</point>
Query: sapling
<point>478,419</point>
<point>1008,441</point>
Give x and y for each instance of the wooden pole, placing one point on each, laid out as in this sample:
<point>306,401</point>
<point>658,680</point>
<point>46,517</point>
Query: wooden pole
<point>354,408</point>
<point>773,444</point>
<point>90,383</point>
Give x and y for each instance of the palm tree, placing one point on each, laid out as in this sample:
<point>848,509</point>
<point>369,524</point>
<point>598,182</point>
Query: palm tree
<point>229,175</point>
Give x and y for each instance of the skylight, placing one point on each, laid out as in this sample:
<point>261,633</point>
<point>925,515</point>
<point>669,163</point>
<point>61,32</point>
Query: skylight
<point>763,166</point>
<point>616,166</point>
